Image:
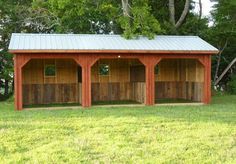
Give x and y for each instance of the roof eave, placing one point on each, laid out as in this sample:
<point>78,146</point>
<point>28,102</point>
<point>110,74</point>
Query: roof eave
<point>117,51</point>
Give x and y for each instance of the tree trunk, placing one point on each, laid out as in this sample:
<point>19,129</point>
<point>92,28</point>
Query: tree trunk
<point>172,11</point>
<point>229,67</point>
<point>6,88</point>
<point>217,67</point>
<point>125,8</point>
<point>184,14</point>
<point>200,9</point>
<point>219,60</point>
<point>12,86</point>
<point>1,86</point>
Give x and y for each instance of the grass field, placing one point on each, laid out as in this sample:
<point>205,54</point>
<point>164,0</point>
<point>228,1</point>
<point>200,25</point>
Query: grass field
<point>181,134</point>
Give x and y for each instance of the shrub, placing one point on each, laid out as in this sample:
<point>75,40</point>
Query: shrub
<point>232,85</point>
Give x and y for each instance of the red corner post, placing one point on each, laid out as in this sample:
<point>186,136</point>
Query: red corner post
<point>19,62</point>
<point>207,79</point>
<point>17,83</point>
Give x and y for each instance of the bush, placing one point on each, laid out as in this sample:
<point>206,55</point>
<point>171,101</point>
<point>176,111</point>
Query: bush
<point>232,85</point>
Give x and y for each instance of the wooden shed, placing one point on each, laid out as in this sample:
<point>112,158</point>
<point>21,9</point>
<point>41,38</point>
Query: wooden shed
<point>86,69</point>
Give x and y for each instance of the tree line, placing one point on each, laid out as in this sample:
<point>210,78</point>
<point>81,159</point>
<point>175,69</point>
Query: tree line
<point>130,18</point>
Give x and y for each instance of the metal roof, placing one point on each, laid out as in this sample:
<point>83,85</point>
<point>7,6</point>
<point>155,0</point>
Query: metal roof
<point>27,42</point>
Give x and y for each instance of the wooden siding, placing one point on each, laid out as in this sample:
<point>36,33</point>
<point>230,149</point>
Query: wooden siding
<point>179,90</point>
<point>138,91</point>
<point>180,70</point>
<point>61,88</point>
<point>107,91</point>
<point>51,93</point>
<point>177,78</point>
<point>137,73</point>
<point>126,81</point>
<point>119,70</point>
<point>125,70</point>
<point>87,60</point>
<point>66,71</point>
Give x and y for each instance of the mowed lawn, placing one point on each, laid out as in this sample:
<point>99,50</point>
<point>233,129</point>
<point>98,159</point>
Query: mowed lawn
<point>181,134</point>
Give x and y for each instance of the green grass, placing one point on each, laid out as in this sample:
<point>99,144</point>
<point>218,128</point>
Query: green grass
<point>181,134</point>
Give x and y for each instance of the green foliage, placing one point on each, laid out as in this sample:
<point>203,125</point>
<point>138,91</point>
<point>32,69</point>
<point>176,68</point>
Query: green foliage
<point>50,70</point>
<point>141,22</point>
<point>21,16</point>
<point>223,34</point>
<point>194,26</point>
<point>225,20</point>
<point>6,71</point>
<point>232,85</point>
<point>191,26</point>
<point>104,69</point>
<point>84,16</point>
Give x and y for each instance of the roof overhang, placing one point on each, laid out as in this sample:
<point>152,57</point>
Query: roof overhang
<point>18,51</point>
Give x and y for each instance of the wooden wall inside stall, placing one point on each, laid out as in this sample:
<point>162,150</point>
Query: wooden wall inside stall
<point>61,88</point>
<point>120,83</point>
<point>179,79</point>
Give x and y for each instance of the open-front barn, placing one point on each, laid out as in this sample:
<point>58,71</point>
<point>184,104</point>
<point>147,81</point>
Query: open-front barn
<point>93,69</point>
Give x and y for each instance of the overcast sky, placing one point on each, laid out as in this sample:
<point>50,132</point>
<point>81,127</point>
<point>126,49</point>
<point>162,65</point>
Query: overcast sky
<point>206,7</point>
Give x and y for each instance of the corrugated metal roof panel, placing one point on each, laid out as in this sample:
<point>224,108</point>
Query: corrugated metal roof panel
<point>21,41</point>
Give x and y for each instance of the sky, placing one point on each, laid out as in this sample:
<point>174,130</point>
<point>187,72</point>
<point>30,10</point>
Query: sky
<point>206,7</point>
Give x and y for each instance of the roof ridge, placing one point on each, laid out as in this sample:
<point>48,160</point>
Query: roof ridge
<point>102,35</point>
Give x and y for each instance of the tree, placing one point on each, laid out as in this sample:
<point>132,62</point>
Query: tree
<point>138,20</point>
<point>190,24</point>
<point>8,18</point>
<point>84,16</point>
<point>223,35</point>
<point>183,15</point>
<point>19,16</point>
<point>128,17</point>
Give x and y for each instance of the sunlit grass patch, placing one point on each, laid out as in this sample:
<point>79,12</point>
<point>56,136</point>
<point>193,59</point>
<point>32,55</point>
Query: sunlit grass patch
<point>172,134</point>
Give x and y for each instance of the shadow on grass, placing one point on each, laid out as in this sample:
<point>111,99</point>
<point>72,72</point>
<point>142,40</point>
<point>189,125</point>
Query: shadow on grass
<point>223,112</point>
<point>52,105</point>
<point>123,102</point>
<point>165,101</point>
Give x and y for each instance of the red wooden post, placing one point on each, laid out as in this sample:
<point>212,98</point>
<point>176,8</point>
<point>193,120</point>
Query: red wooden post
<point>19,62</point>
<point>17,83</point>
<point>86,86</point>
<point>86,63</point>
<point>150,84</point>
<point>207,79</point>
<point>150,63</point>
